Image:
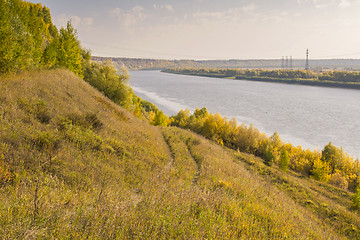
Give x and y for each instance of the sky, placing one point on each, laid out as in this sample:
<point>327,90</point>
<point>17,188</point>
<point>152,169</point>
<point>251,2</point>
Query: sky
<point>213,29</point>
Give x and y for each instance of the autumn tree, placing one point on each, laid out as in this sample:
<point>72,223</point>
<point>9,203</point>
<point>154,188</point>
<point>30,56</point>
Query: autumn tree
<point>160,119</point>
<point>181,118</point>
<point>321,170</point>
<point>332,156</point>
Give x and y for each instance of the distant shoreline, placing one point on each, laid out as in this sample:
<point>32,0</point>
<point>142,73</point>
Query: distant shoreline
<point>293,81</point>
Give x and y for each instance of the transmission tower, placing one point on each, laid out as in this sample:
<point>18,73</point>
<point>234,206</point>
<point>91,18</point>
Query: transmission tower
<point>282,62</point>
<point>307,60</point>
<point>291,62</point>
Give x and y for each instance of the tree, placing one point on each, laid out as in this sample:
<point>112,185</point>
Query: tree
<point>284,160</point>
<point>321,170</point>
<point>16,40</point>
<point>114,85</point>
<point>69,51</point>
<point>160,119</point>
<point>7,43</point>
<point>50,55</point>
<point>181,119</point>
<point>331,155</point>
<point>276,144</point>
<point>267,153</point>
<point>201,113</point>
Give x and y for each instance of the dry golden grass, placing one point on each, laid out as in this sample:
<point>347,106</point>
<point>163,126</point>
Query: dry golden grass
<point>82,167</point>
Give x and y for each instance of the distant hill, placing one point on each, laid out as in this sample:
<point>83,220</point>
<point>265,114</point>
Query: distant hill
<point>157,64</point>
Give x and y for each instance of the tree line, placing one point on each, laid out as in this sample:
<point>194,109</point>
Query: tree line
<point>281,74</point>
<point>29,40</point>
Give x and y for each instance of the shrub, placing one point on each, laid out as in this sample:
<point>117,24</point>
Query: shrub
<point>46,141</point>
<point>93,120</point>
<point>36,108</point>
<point>88,121</point>
<point>337,179</point>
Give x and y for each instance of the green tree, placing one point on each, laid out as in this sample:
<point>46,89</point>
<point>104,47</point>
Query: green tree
<point>16,42</point>
<point>181,118</point>
<point>50,54</point>
<point>201,113</point>
<point>160,119</point>
<point>106,79</point>
<point>268,154</point>
<point>284,160</point>
<point>69,51</point>
<point>7,38</point>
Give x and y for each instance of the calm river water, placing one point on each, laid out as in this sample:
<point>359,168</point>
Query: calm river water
<point>302,115</point>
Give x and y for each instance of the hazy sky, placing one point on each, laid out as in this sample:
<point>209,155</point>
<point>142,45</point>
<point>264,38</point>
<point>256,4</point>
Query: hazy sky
<point>213,29</point>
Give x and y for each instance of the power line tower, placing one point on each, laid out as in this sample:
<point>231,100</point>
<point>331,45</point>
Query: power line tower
<point>307,60</point>
<point>282,62</point>
<point>291,62</point>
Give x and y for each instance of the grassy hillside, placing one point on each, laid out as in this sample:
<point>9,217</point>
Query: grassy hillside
<point>74,165</point>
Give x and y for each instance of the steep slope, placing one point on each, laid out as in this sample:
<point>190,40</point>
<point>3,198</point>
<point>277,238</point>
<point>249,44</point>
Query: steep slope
<point>75,165</point>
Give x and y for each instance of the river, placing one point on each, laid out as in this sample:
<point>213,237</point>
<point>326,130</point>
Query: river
<point>302,115</point>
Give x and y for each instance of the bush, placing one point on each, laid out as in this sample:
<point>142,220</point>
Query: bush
<point>46,141</point>
<point>338,180</point>
<point>88,121</point>
<point>36,108</point>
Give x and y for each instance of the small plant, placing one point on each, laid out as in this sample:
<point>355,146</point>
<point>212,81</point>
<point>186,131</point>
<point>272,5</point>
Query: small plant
<point>36,108</point>
<point>93,120</point>
<point>5,176</point>
<point>47,142</point>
